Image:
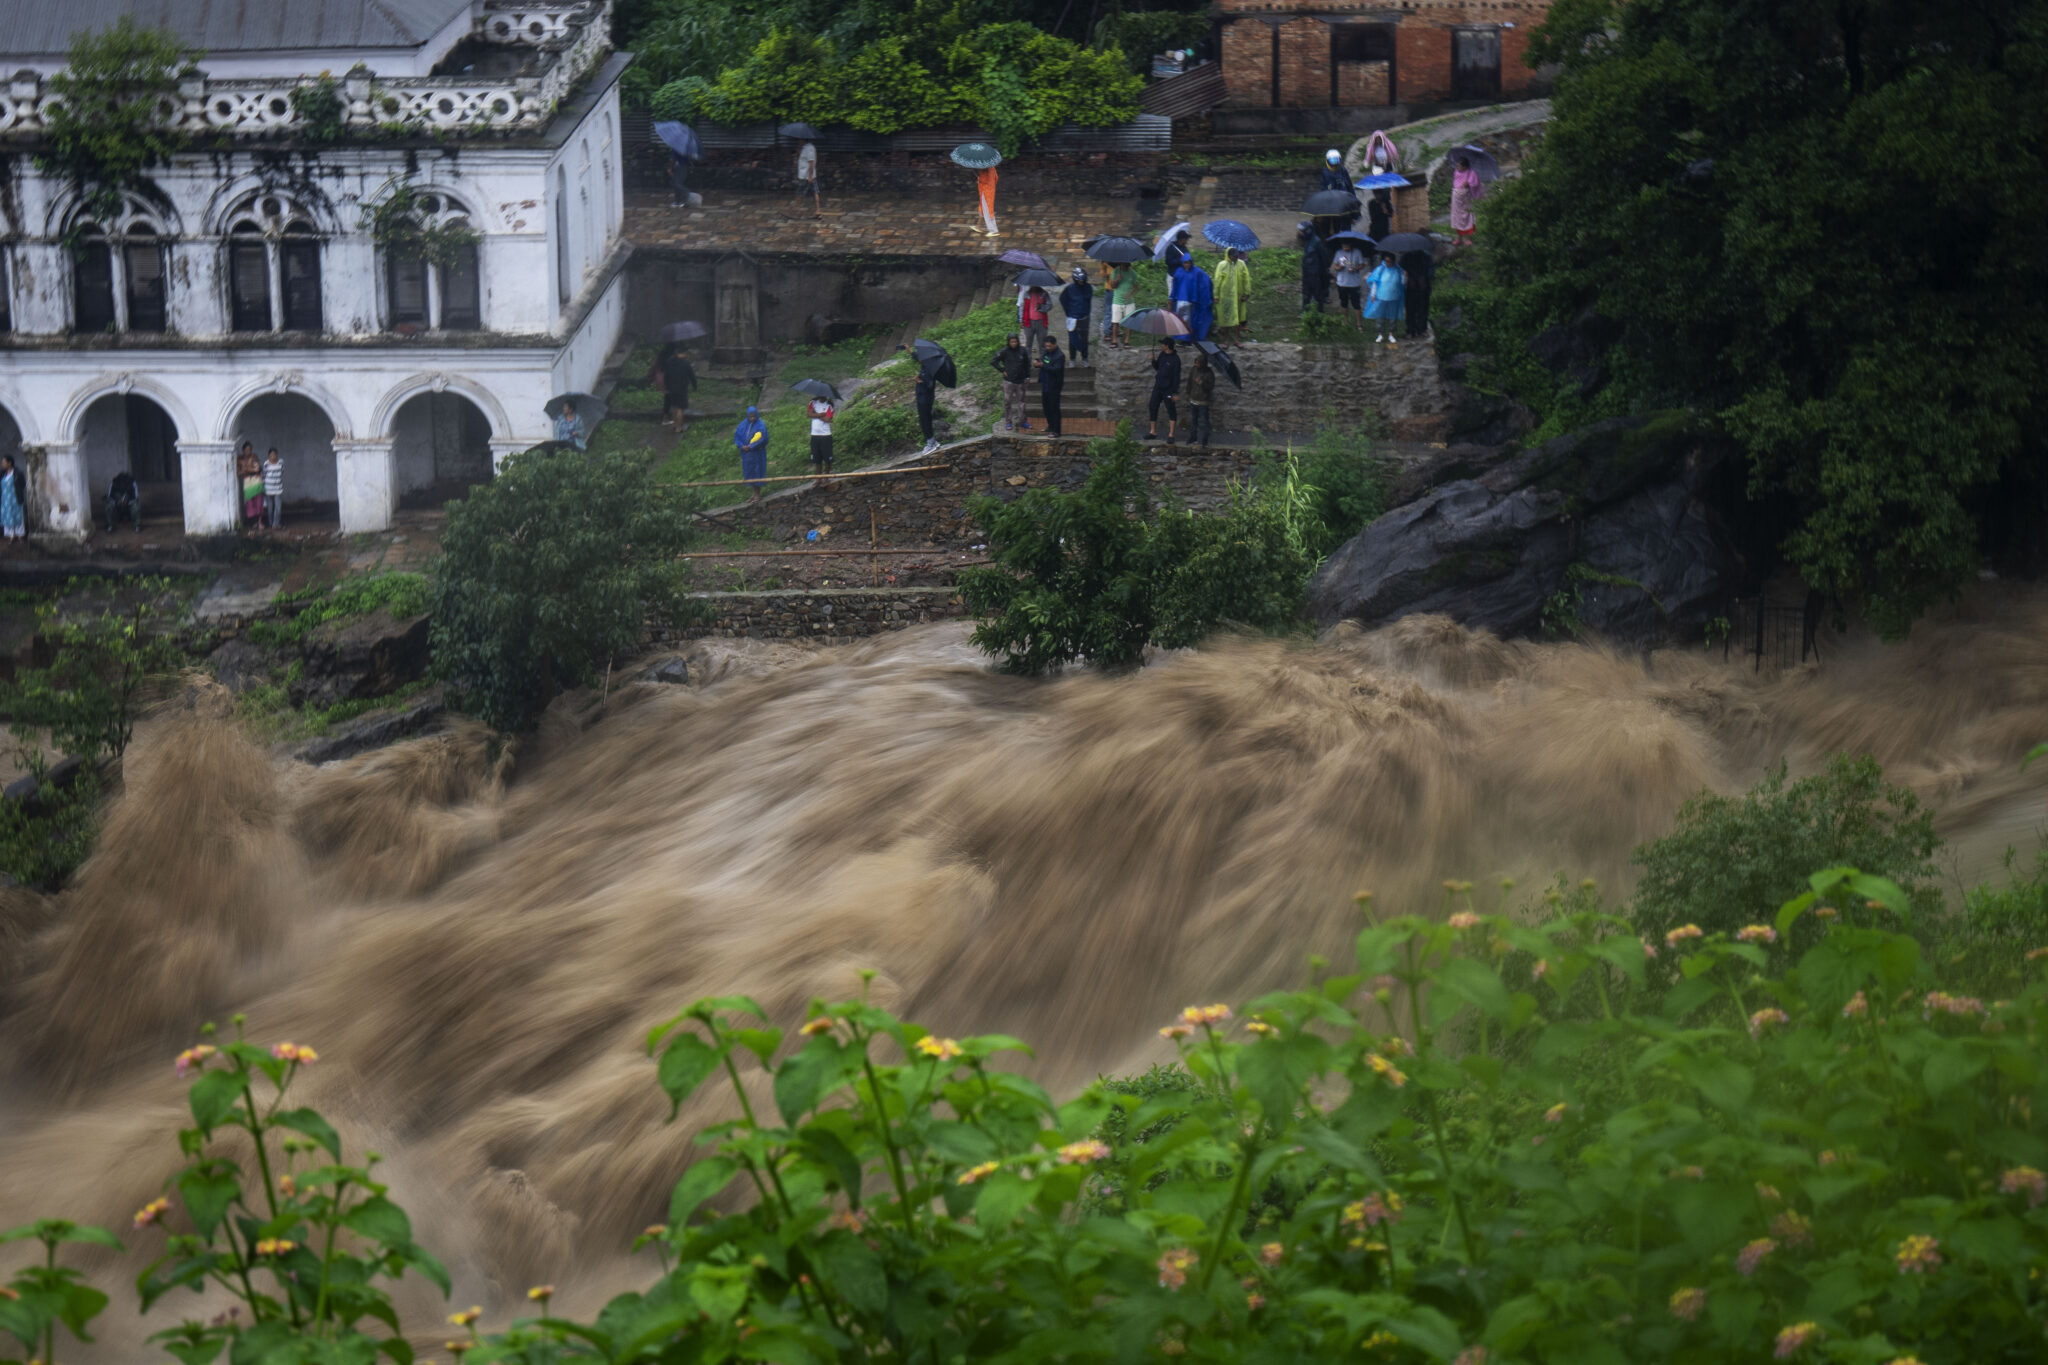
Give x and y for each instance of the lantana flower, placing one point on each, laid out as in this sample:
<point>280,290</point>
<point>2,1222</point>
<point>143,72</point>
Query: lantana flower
<point>1765,1018</point>
<point>292,1052</point>
<point>194,1058</point>
<point>1687,1304</point>
<point>1796,1338</point>
<point>1174,1267</point>
<point>942,1049</point>
<point>1756,933</point>
<point>1086,1152</point>
<point>1382,1067</point>
<point>1464,919</point>
<point>975,1174</point>
<point>1752,1256</point>
<point>466,1316</point>
<point>1917,1254</point>
<point>1857,1007</point>
<point>2025,1178</point>
<point>152,1212</point>
<point>1684,933</point>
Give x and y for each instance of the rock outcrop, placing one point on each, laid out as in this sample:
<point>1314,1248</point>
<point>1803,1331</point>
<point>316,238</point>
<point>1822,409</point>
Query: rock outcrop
<point>364,656</point>
<point>1614,529</point>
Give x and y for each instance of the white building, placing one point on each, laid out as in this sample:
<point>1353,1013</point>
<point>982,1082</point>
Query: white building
<point>243,295</point>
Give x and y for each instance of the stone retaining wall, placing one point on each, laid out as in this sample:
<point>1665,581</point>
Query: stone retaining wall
<point>826,615</point>
<point>1289,387</point>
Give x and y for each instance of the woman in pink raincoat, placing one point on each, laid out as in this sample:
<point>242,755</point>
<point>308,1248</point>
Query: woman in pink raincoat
<point>1465,190</point>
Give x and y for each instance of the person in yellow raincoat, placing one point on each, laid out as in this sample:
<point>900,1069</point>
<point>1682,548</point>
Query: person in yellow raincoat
<point>1233,295</point>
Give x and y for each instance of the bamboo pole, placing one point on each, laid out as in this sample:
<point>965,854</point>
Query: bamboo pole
<point>810,478</point>
<point>856,550</point>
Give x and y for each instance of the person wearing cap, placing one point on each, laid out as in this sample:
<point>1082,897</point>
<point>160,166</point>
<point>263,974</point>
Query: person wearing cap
<point>1077,300</point>
<point>1165,383</point>
<point>1315,268</point>
<point>1233,295</point>
<point>1335,179</point>
<point>1052,378</point>
<point>750,438</point>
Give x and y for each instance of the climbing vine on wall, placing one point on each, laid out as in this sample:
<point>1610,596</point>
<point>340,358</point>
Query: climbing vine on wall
<point>397,223</point>
<point>321,109</point>
<point>108,124</point>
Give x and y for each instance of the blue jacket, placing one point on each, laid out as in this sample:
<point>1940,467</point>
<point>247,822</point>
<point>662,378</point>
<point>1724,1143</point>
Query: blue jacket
<point>1077,299</point>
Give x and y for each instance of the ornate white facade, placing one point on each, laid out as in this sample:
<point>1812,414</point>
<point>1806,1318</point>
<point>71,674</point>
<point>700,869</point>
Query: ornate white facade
<point>243,295</point>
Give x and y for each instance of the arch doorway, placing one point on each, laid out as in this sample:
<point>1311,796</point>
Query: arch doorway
<point>304,438</point>
<point>131,432</point>
<point>441,445</point>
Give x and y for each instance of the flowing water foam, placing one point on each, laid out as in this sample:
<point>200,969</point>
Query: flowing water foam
<point>477,953</point>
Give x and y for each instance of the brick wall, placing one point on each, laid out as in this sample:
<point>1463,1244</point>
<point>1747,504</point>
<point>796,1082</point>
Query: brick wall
<point>1305,62</point>
<point>1290,388</point>
<point>1515,72</point>
<point>1423,55</point>
<point>1247,57</point>
<point>1363,83</point>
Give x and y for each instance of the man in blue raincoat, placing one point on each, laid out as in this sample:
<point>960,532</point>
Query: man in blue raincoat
<point>1193,288</point>
<point>750,437</point>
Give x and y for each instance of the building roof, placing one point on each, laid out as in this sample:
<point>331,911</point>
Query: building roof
<point>46,27</point>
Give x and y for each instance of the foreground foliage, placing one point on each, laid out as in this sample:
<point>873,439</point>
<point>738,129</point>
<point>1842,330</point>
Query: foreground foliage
<point>1439,1155</point>
<point>546,573</point>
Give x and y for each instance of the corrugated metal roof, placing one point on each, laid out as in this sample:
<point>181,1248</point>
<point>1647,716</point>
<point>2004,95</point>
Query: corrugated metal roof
<point>34,28</point>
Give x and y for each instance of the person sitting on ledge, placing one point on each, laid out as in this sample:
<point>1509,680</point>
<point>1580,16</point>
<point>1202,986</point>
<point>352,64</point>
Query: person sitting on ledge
<point>123,497</point>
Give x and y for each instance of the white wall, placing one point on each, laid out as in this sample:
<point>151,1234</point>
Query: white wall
<point>304,438</point>
<point>588,164</point>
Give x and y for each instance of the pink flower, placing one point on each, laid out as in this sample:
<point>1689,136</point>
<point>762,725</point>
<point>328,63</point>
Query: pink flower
<point>1796,1338</point>
<point>1176,1031</point>
<point>1793,1228</point>
<point>1684,933</point>
<point>1205,1014</point>
<point>1471,1355</point>
<point>1960,1006</point>
<point>1917,1255</point>
<point>1555,1113</point>
<point>1687,1304</point>
<point>152,1212</point>
<point>1542,968</point>
<point>292,1052</point>
<point>1270,1253</point>
<point>1254,1302</point>
<point>2028,1179</point>
<point>1752,1256</point>
<point>1825,912</point>
<point>1763,1019</point>
<point>1372,1210</point>
<point>194,1059</point>
<point>1083,1153</point>
<point>1174,1267</point>
<point>1649,950</point>
<point>1464,919</point>
<point>1857,1007</point>
<point>1756,933</point>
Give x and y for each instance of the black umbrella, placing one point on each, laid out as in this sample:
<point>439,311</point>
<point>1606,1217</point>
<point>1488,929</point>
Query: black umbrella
<point>1117,250</point>
<point>976,156</point>
<point>1356,237</point>
<point>802,130</point>
<point>1158,322</point>
<point>683,331</point>
<point>1331,203</point>
<point>681,139</point>
<point>935,362</point>
<point>1221,359</point>
<point>816,388</point>
<point>1044,279</point>
<point>591,410</point>
<point>1017,255</point>
<point>1482,162</point>
<point>1401,243</point>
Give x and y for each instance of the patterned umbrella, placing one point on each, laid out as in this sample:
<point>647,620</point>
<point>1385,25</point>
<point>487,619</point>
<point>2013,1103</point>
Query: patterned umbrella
<point>1228,233</point>
<point>976,156</point>
<point>1158,322</point>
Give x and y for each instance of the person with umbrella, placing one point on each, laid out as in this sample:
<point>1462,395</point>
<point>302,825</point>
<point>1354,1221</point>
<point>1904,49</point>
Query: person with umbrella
<point>1165,383</point>
<point>569,426</point>
<point>1172,249</point>
<point>1077,300</point>
<point>1123,284</point>
<point>1349,268</point>
<point>683,148</point>
<point>1201,392</point>
<point>678,377</point>
<point>932,362</point>
<point>1052,377</point>
<point>807,178</point>
<point>821,412</point>
<point>1315,268</point>
<point>1034,318</point>
<point>1385,308</point>
<point>1419,266</point>
<point>1233,295</point>
<point>1013,362</point>
<point>1333,178</point>
<point>750,438</point>
<point>1465,191</point>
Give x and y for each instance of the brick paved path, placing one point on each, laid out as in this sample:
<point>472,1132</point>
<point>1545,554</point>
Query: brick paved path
<point>873,223</point>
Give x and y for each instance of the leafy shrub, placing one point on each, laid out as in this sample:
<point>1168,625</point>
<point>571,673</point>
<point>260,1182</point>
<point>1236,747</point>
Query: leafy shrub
<point>321,109</point>
<point>1345,480</point>
<point>867,431</point>
<point>403,595</point>
<point>1137,35</point>
<point>547,571</point>
<point>45,838</point>
<point>1247,566</point>
<point>1727,855</point>
<point>1812,1157</point>
<point>106,643</point>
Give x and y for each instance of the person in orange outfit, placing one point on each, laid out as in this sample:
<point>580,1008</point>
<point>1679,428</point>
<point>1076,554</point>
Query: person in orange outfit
<point>985,182</point>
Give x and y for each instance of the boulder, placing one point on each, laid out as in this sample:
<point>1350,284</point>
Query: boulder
<point>673,671</point>
<point>1575,352</point>
<point>375,730</point>
<point>240,664</point>
<point>365,656</point>
<point>1615,525</point>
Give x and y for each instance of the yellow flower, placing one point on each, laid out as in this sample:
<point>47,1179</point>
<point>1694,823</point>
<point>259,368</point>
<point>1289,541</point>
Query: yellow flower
<point>467,1316</point>
<point>1270,1253</point>
<point>1083,1153</point>
<point>287,1185</point>
<point>1205,1014</point>
<point>1681,934</point>
<point>1174,1267</point>
<point>1917,1255</point>
<point>541,1293</point>
<point>1555,1113</point>
<point>655,1230</point>
<point>943,1049</point>
<point>1382,1067</point>
<point>274,1246</point>
<point>194,1058</point>
<point>151,1212</point>
<point>977,1173</point>
<point>1261,1028</point>
<point>817,1026</point>
<point>292,1052</point>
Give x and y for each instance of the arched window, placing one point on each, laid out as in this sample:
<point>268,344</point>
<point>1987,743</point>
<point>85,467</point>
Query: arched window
<point>143,256</point>
<point>249,277</point>
<point>92,281</point>
<point>562,284</point>
<point>300,268</point>
<point>461,289</point>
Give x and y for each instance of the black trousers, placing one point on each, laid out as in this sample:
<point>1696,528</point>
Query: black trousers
<point>1077,340</point>
<point>924,412</point>
<point>1049,400</point>
<point>821,451</point>
<point>1418,311</point>
<point>1162,396</point>
<point>1198,423</point>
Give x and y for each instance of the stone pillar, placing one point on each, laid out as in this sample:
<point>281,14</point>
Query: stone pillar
<point>367,476</point>
<point>62,491</point>
<point>504,450</point>
<point>212,498</point>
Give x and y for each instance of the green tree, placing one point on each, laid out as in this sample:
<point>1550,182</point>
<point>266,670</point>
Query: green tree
<point>107,126</point>
<point>547,572</point>
<point>1730,860</point>
<point>1819,221</point>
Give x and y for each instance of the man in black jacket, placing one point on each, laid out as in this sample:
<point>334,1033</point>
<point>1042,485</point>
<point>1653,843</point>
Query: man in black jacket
<point>1420,267</point>
<point>1165,383</point>
<point>1052,377</point>
<point>1077,300</point>
<point>1315,268</point>
<point>123,498</point>
<point>926,392</point>
<point>1013,362</point>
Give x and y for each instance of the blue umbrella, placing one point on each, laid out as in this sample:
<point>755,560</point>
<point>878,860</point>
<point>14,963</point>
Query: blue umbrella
<point>1228,232</point>
<point>681,139</point>
<point>976,156</point>
<point>1386,180</point>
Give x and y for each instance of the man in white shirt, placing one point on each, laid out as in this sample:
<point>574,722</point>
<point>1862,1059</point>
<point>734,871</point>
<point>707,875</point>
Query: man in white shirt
<point>1349,268</point>
<point>807,179</point>
<point>821,436</point>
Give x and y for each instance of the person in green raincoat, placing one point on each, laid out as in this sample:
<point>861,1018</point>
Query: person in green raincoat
<point>1233,295</point>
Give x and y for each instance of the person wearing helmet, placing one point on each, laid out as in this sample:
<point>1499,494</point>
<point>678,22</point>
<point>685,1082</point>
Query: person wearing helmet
<point>1077,300</point>
<point>1334,178</point>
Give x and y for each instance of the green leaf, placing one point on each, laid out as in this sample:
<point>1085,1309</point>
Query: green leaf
<point>1790,911</point>
<point>207,1197</point>
<point>762,1042</point>
<point>213,1097</point>
<point>1475,984</point>
<point>685,1064</point>
<point>830,1151</point>
<point>853,1272</point>
<point>1624,952</point>
<point>82,1303</point>
<point>705,1178</point>
<point>1723,1080</point>
<point>380,1220</point>
<point>1515,1321</point>
<point>1953,1062</point>
<point>719,1292</point>
<point>313,1126</point>
<point>818,1068</point>
<point>1003,1196</point>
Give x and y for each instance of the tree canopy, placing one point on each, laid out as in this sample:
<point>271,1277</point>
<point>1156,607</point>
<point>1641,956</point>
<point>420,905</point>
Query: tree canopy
<point>1820,220</point>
